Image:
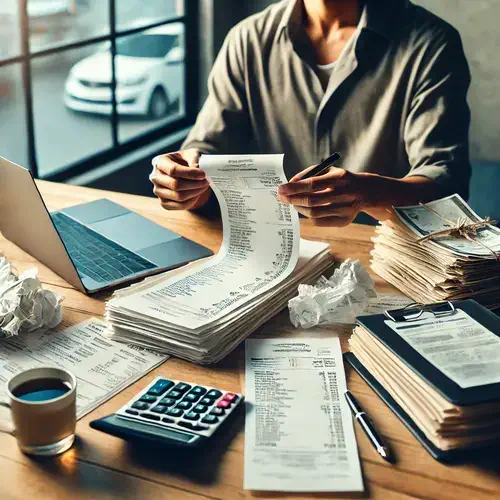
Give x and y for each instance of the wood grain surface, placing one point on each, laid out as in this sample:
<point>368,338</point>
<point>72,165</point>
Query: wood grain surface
<point>103,467</point>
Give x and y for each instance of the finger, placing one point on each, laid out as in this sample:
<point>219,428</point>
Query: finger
<point>299,176</point>
<point>176,184</point>
<point>168,195</point>
<point>192,156</point>
<point>174,165</point>
<point>331,210</point>
<point>178,205</point>
<point>318,199</point>
<point>333,178</point>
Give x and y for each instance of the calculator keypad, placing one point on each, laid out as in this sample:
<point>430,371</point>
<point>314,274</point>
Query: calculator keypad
<point>198,409</point>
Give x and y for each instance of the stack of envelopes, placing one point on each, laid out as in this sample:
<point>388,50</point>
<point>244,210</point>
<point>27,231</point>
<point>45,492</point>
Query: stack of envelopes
<point>445,266</point>
<point>211,341</point>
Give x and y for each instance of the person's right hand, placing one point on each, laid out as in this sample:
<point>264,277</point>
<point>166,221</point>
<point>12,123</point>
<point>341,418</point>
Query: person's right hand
<point>178,181</point>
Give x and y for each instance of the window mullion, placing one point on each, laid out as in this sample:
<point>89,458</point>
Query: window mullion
<point>114,113</point>
<point>27,86</point>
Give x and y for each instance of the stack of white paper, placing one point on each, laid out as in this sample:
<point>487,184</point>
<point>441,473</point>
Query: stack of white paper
<point>204,310</point>
<point>443,267</point>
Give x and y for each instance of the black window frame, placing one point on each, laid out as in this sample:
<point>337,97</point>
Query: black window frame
<point>118,148</point>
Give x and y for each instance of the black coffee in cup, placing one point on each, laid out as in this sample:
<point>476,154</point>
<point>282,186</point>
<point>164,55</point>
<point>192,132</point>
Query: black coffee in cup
<point>42,389</point>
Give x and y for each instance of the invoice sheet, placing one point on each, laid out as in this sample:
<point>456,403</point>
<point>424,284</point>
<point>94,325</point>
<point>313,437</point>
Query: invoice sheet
<point>260,247</point>
<point>456,344</point>
<point>101,366</point>
<point>299,433</point>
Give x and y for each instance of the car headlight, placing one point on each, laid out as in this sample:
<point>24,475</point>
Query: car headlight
<point>131,82</point>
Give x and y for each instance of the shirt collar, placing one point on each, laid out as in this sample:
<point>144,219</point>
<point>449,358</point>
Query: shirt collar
<point>379,16</point>
<point>291,21</point>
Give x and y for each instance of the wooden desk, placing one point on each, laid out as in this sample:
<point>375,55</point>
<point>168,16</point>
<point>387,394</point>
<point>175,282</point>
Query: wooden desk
<point>101,467</point>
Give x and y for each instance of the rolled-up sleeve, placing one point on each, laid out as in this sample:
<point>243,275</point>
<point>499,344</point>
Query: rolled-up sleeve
<point>437,127</point>
<point>223,124</point>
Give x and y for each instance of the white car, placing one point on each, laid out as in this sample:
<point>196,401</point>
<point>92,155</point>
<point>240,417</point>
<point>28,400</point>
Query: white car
<point>149,75</point>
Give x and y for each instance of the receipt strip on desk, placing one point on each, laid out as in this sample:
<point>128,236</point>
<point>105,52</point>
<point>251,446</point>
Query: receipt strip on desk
<point>299,433</point>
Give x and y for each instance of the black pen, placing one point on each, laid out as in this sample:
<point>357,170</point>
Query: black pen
<point>322,167</point>
<point>367,426</point>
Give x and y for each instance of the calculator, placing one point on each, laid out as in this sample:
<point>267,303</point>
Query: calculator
<point>172,412</point>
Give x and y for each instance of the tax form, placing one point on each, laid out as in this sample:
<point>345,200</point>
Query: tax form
<point>299,433</point>
<point>101,366</point>
<point>260,248</point>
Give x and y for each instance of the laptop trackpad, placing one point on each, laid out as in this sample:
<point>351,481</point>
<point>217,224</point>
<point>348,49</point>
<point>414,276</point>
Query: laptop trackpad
<point>133,231</point>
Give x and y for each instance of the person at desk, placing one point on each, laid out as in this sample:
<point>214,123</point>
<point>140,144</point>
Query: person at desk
<point>384,82</point>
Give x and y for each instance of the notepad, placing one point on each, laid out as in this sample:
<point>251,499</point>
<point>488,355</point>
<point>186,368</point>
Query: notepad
<point>440,373</point>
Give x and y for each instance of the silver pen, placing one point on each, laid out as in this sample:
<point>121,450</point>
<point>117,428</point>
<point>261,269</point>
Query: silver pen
<point>367,426</point>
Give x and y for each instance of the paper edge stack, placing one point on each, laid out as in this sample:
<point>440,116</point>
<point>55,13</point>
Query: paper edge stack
<point>121,329</point>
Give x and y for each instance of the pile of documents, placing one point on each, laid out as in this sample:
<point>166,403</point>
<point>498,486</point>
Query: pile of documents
<point>446,386</point>
<point>204,310</point>
<point>445,266</point>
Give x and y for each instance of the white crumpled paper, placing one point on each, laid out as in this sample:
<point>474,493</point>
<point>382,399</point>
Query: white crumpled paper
<point>336,300</point>
<point>24,304</point>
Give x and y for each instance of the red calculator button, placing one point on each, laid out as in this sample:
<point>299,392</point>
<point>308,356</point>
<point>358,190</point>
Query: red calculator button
<point>223,404</point>
<point>231,397</point>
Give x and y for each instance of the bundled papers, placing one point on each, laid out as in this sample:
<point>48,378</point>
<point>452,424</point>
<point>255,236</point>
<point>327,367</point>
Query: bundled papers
<point>459,407</point>
<point>458,263</point>
<point>336,300</point>
<point>202,311</point>
<point>24,304</point>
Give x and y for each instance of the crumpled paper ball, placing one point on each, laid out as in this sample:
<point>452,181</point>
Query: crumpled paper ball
<point>336,300</point>
<point>24,305</point>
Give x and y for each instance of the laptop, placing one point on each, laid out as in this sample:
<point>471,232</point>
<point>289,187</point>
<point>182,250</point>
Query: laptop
<point>93,246</point>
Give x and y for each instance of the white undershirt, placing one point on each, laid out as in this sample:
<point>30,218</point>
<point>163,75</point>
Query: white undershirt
<point>324,73</point>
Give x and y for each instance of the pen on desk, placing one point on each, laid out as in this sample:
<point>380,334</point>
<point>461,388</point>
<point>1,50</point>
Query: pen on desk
<point>322,167</point>
<point>368,427</point>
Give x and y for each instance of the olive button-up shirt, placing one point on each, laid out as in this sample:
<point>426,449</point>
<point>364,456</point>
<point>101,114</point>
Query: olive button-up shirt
<point>395,103</point>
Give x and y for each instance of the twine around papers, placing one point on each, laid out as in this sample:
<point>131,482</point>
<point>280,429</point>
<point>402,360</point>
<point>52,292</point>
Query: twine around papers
<point>461,229</point>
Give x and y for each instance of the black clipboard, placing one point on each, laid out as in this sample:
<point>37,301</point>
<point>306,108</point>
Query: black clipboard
<point>428,372</point>
<point>449,389</point>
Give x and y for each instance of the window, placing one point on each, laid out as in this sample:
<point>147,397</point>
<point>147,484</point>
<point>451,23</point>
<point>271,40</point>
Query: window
<point>83,82</point>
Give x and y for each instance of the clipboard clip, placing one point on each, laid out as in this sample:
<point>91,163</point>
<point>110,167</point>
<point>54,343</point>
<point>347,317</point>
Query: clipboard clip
<point>414,311</point>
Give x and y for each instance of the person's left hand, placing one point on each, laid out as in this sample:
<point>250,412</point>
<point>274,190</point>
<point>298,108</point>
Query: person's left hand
<point>332,199</point>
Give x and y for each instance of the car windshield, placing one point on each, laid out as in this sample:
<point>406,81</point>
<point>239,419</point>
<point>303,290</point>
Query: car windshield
<point>146,45</point>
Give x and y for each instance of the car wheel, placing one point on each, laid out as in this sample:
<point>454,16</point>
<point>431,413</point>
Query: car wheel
<point>158,104</point>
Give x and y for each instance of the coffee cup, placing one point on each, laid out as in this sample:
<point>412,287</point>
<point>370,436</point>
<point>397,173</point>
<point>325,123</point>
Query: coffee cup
<point>43,409</point>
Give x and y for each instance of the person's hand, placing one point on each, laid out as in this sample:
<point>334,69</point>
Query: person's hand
<point>178,181</point>
<point>332,199</point>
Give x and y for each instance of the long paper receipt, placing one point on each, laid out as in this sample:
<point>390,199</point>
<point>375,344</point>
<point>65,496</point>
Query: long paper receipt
<point>299,433</point>
<point>260,247</point>
<point>102,367</point>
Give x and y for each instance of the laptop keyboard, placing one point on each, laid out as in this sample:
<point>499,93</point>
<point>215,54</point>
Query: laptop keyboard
<point>96,256</point>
